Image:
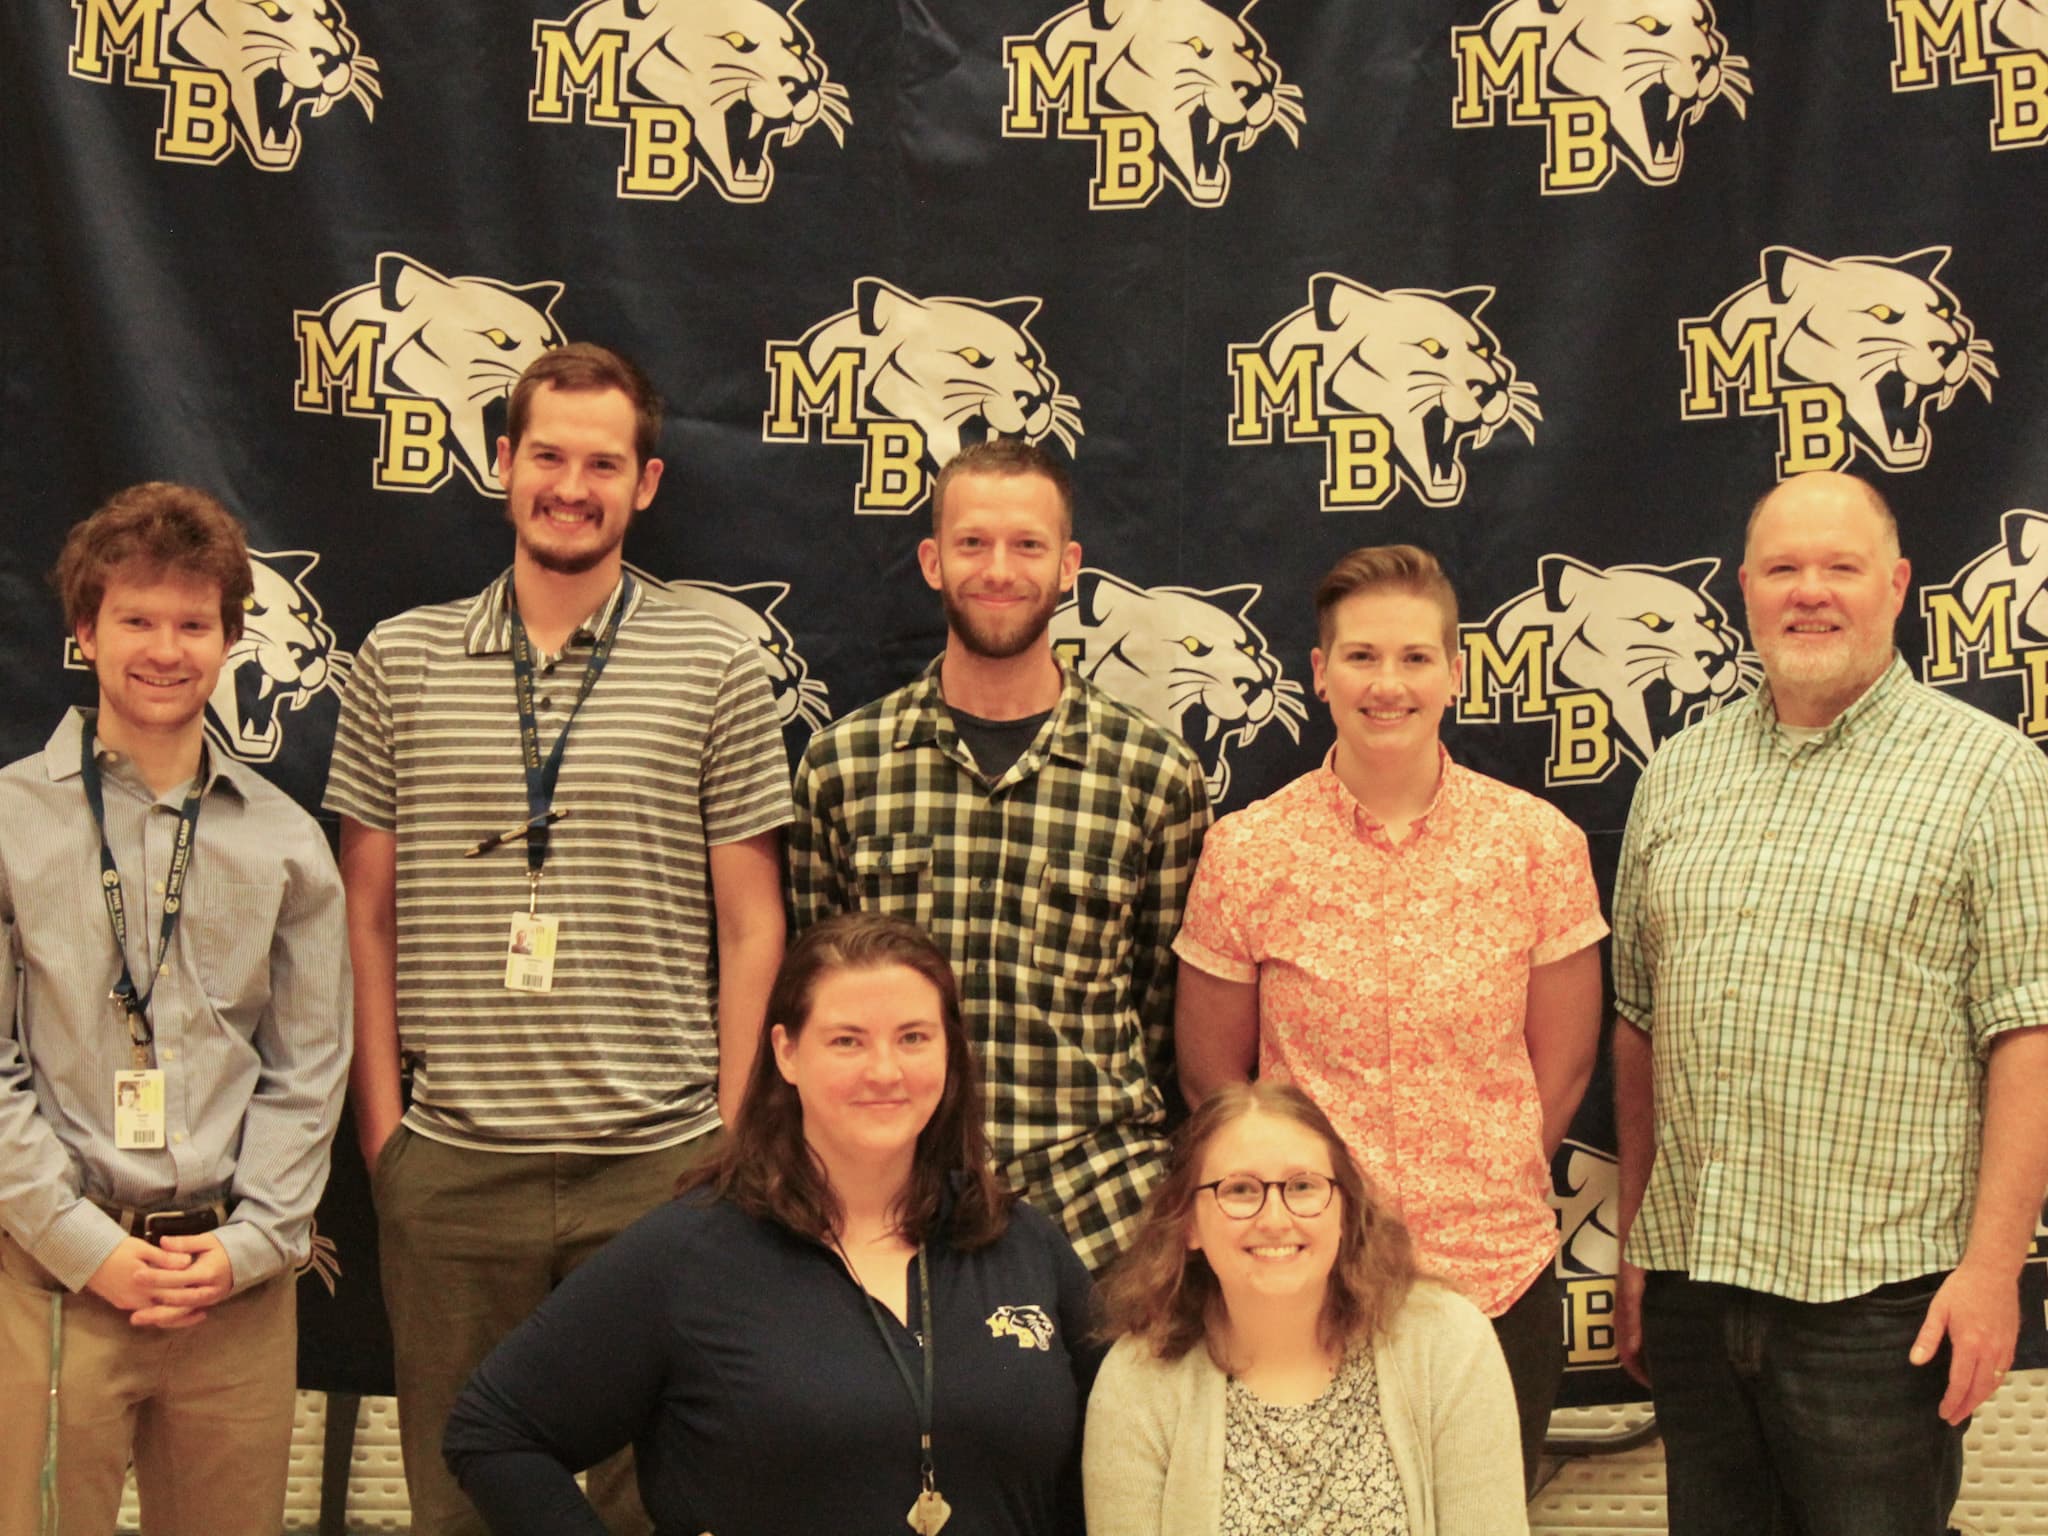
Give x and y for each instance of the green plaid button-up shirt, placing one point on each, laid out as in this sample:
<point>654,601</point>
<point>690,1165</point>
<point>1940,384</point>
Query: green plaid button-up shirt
<point>1823,940</point>
<point>1056,891</point>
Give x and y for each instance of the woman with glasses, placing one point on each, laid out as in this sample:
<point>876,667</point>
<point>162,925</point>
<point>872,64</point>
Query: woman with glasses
<point>843,1324</point>
<point>1279,1367</point>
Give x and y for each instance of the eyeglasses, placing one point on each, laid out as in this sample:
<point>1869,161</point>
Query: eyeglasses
<point>1242,1197</point>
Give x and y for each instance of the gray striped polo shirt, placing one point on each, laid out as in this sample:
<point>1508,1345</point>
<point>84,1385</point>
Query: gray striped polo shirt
<point>677,748</point>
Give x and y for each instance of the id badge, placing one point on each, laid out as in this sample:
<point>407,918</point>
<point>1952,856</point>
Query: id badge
<point>139,1110</point>
<point>530,953</point>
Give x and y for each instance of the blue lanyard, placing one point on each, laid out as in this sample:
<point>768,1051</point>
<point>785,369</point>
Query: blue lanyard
<point>541,773</point>
<point>134,1005</point>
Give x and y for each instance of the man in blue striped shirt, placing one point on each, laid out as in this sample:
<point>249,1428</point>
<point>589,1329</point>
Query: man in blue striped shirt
<point>162,1146</point>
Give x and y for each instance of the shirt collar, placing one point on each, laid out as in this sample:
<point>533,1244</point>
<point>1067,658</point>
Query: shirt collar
<point>1351,812</point>
<point>60,758</point>
<point>487,629</point>
<point>926,721</point>
<point>1871,711</point>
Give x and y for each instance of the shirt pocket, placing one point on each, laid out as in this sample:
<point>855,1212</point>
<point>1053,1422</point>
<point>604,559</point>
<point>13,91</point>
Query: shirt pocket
<point>1081,919</point>
<point>233,923</point>
<point>893,874</point>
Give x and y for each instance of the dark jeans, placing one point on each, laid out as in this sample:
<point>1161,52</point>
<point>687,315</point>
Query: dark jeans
<point>1531,1334</point>
<point>1783,1417</point>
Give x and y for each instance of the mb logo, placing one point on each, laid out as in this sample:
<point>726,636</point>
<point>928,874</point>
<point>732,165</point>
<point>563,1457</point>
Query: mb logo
<point>911,380</point>
<point>424,355</point>
<point>1608,83</point>
<point>1995,613</point>
<point>234,73</point>
<point>699,88</point>
<point>1167,89</point>
<point>2004,42</point>
<point>1616,660</point>
<point>1851,355</point>
<point>1396,385</point>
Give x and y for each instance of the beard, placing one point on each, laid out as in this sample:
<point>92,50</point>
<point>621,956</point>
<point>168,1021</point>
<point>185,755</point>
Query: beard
<point>529,528</point>
<point>1834,668</point>
<point>999,640</point>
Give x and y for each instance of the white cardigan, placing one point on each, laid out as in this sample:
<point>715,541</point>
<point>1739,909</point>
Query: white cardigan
<point>1153,1459</point>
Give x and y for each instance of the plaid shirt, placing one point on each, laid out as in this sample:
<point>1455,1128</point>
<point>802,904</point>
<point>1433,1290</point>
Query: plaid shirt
<point>1056,891</point>
<point>1825,938</point>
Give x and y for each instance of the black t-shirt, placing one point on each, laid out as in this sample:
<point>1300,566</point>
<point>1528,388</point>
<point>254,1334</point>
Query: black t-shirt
<point>996,744</point>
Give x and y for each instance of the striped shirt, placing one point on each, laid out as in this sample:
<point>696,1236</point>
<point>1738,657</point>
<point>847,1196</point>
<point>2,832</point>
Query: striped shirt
<point>251,1015</point>
<point>1824,939</point>
<point>1056,891</point>
<point>677,748</point>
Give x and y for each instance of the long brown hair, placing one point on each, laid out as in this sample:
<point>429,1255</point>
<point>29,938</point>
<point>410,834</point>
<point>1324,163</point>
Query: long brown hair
<point>1166,1293</point>
<point>766,1167</point>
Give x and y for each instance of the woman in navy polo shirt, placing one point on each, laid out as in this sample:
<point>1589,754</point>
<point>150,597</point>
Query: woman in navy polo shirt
<point>842,1324</point>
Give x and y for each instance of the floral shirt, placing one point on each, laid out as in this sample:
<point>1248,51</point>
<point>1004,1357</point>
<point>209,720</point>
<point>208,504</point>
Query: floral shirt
<point>1393,989</point>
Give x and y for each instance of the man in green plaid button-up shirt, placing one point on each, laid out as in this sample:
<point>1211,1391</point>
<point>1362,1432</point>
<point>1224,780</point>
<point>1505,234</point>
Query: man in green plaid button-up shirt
<point>1042,832</point>
<point>1831,964</point>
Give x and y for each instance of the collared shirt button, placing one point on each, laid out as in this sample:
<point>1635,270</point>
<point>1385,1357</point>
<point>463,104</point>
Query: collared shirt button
<point>170,1055</point>
<point>987,883</point>
<point>158,887</point>
<point>1730,993</point>
<point>1770,836</point>
<point>1748,912</point>
<point>178,1136</point>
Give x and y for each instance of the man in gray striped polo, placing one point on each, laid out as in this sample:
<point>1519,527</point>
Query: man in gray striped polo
<point>162,1148</point>
<point>1831,965</point>
<point>561,803</point>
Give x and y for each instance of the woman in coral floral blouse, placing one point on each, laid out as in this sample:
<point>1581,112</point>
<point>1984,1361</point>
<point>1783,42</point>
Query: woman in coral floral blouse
<point>1414,945</point>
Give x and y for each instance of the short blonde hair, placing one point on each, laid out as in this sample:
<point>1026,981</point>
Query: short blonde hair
<point>1390,568</point>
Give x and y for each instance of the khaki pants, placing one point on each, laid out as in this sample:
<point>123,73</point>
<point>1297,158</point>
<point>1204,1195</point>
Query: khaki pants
<point>206,1412</point>
<point>471,1242</point>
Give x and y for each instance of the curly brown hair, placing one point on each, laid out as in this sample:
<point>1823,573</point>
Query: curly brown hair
<point>151,531</point>
<point>766,1167</point>
<point>1165,1292</point>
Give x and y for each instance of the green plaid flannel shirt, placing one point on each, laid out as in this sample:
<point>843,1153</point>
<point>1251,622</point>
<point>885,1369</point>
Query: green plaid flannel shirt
<point>1056,891</point>
<point>1823,940</point>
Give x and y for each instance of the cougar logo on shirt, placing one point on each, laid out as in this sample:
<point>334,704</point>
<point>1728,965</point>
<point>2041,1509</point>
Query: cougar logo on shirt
<point>912,380</point>
<point>1609,80</point>
<point>1167,89</point>
<point>1618,660</point>
<point>751,610</point>
<point>1030,1326</point>
<point>2002,42</point>
<point>1586,1190</point>
<point>1995,612</point>
<point>234,73</point>
<point>284,660</point>
<point>709,88</point>
<point>1190,660</point>
<point>1397,384</point>
<point>425,355</point>
<point>1852,354</point>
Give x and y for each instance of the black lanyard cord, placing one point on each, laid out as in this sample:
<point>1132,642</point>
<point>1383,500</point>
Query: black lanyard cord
<point>135,1004</point>
<point>542,773</point>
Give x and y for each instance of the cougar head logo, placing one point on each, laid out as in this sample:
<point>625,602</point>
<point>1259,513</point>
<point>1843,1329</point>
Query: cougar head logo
<point>460,341</point>
<point>2010,25</point>
<point>1030,1326</point>
<point>961,370</point>
<point>751,611</point>
<point>1887,337</point>
<point>1656,65</point>
<point>1200,75</point>
<point>746,74</point>
<point>2020,557</point>
<point>1191,661</point>
<point>285,658</point>
<point>279,58</point>
<point>1587,1191</point>
<point>1421,361</point>
<point>1647,638</point>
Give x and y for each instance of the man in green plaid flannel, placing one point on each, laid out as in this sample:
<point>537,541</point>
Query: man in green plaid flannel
<point>1044,833</point>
